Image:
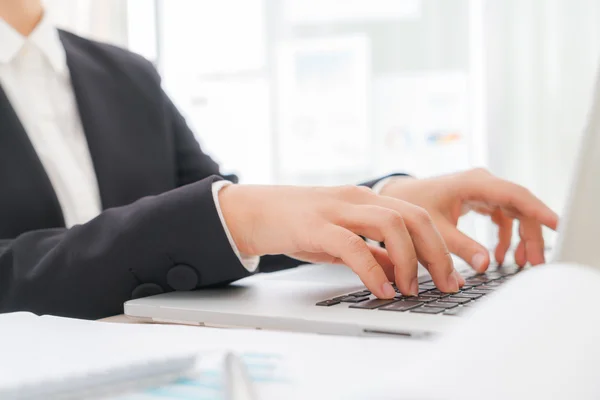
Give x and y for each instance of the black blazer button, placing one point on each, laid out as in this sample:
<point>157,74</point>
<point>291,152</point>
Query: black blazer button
<point>182,277</point>
<point>145,290</point>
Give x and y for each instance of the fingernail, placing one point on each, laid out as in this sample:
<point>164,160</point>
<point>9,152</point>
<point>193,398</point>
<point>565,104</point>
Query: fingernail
<point>478,261</point>
<point>414,287</point>
<point>388,290</point>
<point>459,278</point>
<point>452,283</point>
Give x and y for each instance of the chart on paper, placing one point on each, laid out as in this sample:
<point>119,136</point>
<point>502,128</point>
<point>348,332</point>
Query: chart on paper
<point>269,372</point>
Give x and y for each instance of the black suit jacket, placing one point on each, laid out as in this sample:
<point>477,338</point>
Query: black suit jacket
<point>159,230</point>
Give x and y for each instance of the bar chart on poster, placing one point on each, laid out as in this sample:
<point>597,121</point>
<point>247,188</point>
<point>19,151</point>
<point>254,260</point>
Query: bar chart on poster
<point>423,120</point>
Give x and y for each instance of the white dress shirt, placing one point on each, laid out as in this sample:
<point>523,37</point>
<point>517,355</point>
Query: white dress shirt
<point>36,79</point>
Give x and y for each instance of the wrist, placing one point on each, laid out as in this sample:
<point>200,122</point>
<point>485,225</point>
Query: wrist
<point>393,183</point>
<point>239,217</point>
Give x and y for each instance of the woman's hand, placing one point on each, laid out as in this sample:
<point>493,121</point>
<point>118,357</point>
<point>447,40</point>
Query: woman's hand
<point>326,225</point>
<point>449,197</point>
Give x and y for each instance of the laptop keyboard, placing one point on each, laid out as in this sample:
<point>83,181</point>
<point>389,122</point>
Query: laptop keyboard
<point>430,300</point>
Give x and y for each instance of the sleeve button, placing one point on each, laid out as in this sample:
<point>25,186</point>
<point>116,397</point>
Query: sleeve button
<point>182,277</point>
<point>145,290</point>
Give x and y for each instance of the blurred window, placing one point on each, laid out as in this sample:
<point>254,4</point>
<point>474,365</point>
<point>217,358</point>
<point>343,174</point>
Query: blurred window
<point>338,91</point>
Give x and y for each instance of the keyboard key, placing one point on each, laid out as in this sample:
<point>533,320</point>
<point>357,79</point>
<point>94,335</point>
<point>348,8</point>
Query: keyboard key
<point>372,304</point>
<point>467,287</point>
<point>436,292</point>
<point>493,275</point>
<point>493,284</point>
<point>507,270</point>
<point>352,299</point>
<point>476,291</point>
<point>362,293</point>
<point>442,304</point>
<point>434,296</point>
<point>401,306</point>
<point>479,278</point>
<point>472,296</point>
<point>455,311</point>
<point>455,299</point>
<point>424,299</point>
<point>486,287</point>
<point>328,303</point>
<point>473,282</point>
<point>427,310</point>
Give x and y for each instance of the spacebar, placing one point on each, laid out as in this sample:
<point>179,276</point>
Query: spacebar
<point>372,304</point>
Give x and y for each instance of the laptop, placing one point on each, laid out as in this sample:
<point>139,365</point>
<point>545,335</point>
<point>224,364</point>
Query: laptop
<point>331,299</point>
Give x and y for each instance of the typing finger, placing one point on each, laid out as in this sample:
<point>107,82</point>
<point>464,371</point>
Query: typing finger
<point>388,226</point>
<point>531,236</point>
<point>355,253</point>
<point>505,227</point>
<point>429,244</point>
<point>515,198</point>
<point>520,256</point>
<point>474,254</point>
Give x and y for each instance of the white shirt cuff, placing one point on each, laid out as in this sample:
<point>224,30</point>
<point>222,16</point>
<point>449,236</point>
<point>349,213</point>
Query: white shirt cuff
<point>378,187</point>
<point>249,262</point>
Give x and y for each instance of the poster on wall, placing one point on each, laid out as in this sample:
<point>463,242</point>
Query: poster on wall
<point>322,101</point>
<point>421,123</point>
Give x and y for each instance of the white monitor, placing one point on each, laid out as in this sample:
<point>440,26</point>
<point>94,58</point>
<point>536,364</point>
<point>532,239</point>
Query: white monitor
<point>579,228</point>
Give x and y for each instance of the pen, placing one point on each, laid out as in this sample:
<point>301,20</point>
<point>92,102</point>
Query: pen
<point>239,386</point>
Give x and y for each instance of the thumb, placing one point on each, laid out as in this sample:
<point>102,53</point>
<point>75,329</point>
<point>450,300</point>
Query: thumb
<point>474,254</point>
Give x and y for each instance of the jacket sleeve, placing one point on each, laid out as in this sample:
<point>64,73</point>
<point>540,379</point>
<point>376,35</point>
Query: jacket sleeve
<point>173,241</point>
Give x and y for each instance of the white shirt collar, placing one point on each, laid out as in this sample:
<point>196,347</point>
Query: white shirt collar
<point>44,37</point>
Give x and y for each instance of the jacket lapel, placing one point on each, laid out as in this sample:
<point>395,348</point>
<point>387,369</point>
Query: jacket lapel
<point>105,124</point>
<point>28,200</point>
<point>128,149</point>
<point>95,111</point>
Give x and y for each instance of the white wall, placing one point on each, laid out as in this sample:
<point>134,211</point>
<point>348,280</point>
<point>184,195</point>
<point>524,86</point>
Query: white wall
<point>104,20</point>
